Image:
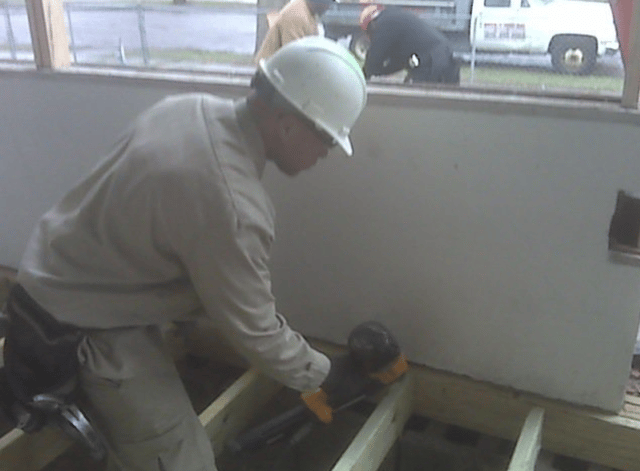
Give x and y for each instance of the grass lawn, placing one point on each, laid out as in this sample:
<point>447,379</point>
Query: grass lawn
<point>182,58</point>
<point>201,57</point>
<point>536,79</point>
<point>520,77</point>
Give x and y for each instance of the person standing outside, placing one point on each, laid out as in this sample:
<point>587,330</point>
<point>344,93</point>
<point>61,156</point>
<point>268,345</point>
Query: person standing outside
<point>174,226</point>
<point>297,19</point>
<point>400,40</point>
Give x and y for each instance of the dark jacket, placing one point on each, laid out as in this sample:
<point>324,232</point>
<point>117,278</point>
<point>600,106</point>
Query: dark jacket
<point>397,34</point>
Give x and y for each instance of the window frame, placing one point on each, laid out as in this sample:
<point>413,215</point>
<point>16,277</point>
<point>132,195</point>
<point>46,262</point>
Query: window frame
<point>51,48</point>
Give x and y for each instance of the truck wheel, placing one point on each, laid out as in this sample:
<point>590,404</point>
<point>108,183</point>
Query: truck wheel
<point>359,46</point>
<point>573,55</point>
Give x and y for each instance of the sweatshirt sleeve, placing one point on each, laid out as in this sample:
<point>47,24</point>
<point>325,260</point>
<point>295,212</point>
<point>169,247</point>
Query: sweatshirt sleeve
<point>235,287</point>
<point>225,251</point>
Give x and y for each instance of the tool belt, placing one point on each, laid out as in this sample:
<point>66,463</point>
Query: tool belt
<point>40,374</point>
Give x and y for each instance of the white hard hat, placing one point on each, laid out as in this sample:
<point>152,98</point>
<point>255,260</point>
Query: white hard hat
<point>323,81</point>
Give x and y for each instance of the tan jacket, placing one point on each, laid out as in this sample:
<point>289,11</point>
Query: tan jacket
<point>174,225</point>
<point>294,21</point>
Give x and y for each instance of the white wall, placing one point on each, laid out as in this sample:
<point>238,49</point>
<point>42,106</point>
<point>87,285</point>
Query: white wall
<point>476,232</point>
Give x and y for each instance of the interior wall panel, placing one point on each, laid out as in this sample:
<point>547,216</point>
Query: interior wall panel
<point>478,237</point>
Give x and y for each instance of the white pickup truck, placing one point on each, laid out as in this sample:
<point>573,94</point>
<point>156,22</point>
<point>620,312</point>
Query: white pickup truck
<point>574,32</point>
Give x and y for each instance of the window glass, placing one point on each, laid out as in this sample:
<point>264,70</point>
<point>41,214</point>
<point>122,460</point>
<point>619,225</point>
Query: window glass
<point>15,38</point>
<point>541,46</point>
<point>497,3</point>
<point>496,47</point>
<point>184,35</point>
<point>551,45</point>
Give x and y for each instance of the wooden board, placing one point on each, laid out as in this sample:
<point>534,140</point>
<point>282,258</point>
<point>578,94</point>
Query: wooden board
<point>368,449</point>
<point>228,414</point>
<point>585,433</point>
<point>30,452</point>
<point>608,439</point>
<point>591,435</point>
<point>528,446</point>
<point>48,33</point>
<point>233,409</point>
<point>632,61</point>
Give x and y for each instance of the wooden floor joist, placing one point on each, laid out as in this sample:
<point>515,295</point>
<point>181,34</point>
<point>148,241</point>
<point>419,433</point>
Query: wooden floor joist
<point>233,409</point>
<point>594,436</point>
<point>31,452</point>
<point>228,414</point>
<point>528,446</point>
<point>607,439</point>
<point>369,448</point>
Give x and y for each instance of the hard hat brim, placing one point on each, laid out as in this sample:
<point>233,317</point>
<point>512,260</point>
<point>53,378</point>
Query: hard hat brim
<point>322,80</point>
<point>345,143</point>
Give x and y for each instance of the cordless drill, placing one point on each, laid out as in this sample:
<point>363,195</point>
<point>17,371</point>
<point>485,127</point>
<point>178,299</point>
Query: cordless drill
<point>378,357</point>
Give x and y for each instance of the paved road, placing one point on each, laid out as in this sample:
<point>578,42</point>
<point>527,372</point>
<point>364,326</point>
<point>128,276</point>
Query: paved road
<point>97,33</point>
<point>197,29</point>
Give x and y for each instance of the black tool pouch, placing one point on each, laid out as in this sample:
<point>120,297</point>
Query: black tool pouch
<point>40,357</point>
<point>38,383</point>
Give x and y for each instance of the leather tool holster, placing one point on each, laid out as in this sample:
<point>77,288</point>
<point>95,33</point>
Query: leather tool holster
<point>38,384</point>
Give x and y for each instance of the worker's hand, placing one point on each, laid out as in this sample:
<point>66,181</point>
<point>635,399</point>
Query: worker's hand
<point>345,382</point>
<point>374,360</point>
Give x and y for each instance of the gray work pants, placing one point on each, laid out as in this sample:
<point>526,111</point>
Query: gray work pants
<point>138,401</point>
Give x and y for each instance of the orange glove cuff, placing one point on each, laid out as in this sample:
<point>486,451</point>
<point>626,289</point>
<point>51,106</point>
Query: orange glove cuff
<point>397,369</point>
<point>317,403</point>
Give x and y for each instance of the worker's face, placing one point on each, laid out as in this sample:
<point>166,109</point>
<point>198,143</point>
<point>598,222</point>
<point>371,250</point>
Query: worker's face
<point>301,144</point>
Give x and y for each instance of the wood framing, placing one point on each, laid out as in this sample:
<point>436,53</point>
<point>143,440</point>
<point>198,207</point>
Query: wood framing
<point>631,89</point>
<point>227,415</point>
<point>591,435</point>
<point>20,451</point>
<point>48,34</point>
<point>233,409</point>
<point>528,446</point>
<point>368,449</point>
<point>604,438</point>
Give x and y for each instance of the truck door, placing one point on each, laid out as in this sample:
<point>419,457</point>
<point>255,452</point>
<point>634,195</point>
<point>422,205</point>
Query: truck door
<point>500,25</point>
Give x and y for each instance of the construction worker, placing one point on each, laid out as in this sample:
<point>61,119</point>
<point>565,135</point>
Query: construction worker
<point>174,225</point>
<point>297,19</point>
<point>400,40</point>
